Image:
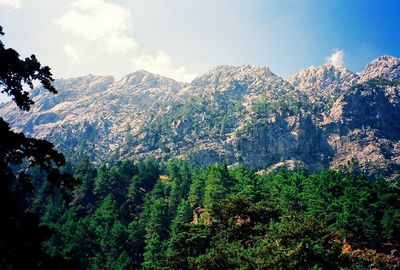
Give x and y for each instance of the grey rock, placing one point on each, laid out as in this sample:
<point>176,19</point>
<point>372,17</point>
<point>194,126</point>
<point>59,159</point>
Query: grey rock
<point>320,117</point>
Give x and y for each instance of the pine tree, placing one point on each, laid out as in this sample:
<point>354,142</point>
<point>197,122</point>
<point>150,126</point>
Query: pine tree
<point>216,187</point>
<point>155,232</point>
<point>196,191</point>
<point>179,174</point>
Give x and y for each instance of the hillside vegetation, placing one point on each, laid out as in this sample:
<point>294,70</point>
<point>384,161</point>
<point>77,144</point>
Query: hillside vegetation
<point>150,215</point>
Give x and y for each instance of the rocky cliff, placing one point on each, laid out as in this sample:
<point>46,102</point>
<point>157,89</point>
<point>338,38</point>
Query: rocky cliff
<point>322,116</point>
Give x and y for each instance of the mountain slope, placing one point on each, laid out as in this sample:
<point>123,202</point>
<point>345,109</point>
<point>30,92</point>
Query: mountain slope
<point>323,116</point>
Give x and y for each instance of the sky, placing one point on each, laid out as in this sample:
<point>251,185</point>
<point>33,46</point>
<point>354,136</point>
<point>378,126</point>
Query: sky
<point>182,39</point>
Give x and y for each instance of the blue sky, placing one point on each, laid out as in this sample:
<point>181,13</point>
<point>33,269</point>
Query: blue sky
<point>185,38</point>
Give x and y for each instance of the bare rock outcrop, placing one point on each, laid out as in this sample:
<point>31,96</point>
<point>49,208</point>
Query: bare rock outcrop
<point>320,117</point>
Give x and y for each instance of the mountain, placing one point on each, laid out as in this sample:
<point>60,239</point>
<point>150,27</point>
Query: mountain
<point>386,66</point>
<point>324,81</point>
<point>324,116</point>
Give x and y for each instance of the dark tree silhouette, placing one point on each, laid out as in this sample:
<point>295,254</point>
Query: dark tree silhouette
<point>21,234</point>
<point>14,72</point>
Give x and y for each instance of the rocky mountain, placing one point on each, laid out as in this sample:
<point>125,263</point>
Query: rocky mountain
<point>324,116</point>
<point>386,66</point>
<point>323,81</point>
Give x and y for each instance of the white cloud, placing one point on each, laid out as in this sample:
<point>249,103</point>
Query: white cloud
<point>11,3</point>
<point>72,52</point>
<point>102,27</point>
<point>336,58</point>
<point>161,63</point>
<point>99,21</point>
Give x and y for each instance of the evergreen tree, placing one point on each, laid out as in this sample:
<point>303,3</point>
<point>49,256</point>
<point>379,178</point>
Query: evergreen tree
<point>217,184</point>
<point>180,178</point>
<point>196,191</point>
<point>155,232</point>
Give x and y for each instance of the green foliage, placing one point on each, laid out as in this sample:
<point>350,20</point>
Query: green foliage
<point>382,82</point>
<point>286,105</point>
<point>216,186</point>
<point>195,118</point>
<point>178,216</point>
<point>196,192</point>
<point>375,83</point>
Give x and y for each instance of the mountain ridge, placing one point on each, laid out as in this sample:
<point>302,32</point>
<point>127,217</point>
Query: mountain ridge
<point>239,114</point>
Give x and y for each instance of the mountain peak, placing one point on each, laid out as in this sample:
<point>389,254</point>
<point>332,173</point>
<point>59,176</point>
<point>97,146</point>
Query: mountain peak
<point>82,85</point>
<point>244,69</point>
<point>322,70</point>
<point>145,79</point>
<point>385,66</point>
<point>85,79</point>
<point>386,58</point>
<point>142,76</point>
<point>323,79</point>
<point>224,73</point>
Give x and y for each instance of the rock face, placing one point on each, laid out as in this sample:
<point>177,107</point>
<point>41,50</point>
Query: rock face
<point>387,67</point>
<point>323,116</point>
<point>324,81</point>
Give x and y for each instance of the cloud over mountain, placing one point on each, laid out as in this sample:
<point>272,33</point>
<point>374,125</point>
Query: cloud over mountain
<point>98,27</point>
<point>99,21</point>
<point>336,58</point>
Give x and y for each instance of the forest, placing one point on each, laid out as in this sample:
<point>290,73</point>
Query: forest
<point>174,215</point>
